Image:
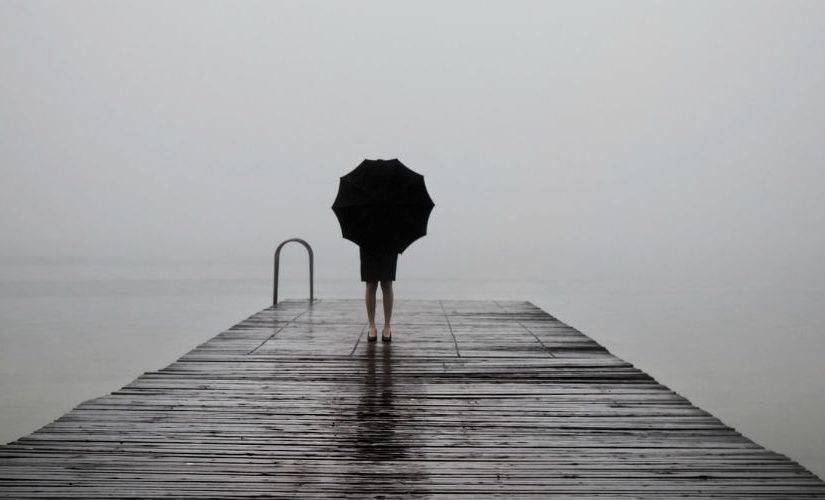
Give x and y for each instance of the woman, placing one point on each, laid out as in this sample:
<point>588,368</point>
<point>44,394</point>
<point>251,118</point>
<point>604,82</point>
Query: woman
<point>378,266</point>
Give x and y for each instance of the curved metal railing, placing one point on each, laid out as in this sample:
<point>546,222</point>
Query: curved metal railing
<point>277,263</point>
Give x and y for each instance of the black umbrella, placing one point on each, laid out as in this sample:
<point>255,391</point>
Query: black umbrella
<point>383,206</point>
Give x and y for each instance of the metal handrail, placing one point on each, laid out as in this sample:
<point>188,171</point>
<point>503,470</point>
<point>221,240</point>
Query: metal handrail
<point>277,263</point>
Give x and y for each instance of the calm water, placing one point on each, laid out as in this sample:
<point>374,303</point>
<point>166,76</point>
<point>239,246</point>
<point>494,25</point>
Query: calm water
<point>752,358</point>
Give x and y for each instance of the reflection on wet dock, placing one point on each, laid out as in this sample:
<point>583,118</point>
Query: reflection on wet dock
<point>472,399</point>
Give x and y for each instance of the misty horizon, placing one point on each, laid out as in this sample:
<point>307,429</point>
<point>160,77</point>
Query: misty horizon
<point>668,143</point>
<point>649,172</point>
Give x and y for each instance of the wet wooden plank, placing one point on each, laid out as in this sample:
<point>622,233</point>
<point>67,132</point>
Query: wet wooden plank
<point>471,399</point>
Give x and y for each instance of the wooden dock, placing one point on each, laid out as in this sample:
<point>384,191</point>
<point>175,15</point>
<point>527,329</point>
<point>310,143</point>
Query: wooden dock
<point>471,399</point>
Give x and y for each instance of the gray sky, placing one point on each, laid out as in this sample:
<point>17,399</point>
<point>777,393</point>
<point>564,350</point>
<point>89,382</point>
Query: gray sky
<point>650,142</point>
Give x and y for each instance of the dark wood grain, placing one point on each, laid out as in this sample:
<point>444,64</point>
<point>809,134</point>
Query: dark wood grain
<point>471,399</point>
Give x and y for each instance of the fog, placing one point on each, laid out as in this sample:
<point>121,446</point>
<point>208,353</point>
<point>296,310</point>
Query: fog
<point>653,144</point>
<point>649,172</point>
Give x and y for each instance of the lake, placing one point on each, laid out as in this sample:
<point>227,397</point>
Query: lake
<point>751,357</point>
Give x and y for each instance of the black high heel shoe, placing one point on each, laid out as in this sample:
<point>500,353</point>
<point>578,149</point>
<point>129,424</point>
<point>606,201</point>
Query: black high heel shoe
<point>371,338</point>
<point>387,338</point>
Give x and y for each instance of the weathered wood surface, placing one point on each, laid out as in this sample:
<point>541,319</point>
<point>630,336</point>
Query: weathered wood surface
<point>471,399</point>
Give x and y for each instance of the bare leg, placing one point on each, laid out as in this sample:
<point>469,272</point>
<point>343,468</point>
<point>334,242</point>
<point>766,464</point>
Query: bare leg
<point>386,292</point>
<point>369,298</point>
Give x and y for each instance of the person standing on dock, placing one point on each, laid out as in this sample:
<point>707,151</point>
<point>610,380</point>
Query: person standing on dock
<point>378,266</point>
<point>383,207</point>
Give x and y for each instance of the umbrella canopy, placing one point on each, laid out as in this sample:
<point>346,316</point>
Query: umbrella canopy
<point>383,206</point>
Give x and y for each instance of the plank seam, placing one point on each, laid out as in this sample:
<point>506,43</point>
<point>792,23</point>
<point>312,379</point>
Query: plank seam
<point>450,326</point>
<point>358,340</point>
<point>546,349</point>
<point>278,331</point>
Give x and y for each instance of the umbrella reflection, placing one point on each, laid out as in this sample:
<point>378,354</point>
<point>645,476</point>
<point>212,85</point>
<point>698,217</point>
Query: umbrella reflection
<point>377,416</point>
<point>384,451</point>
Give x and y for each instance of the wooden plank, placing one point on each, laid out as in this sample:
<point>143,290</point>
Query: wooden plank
<point>472,399</point>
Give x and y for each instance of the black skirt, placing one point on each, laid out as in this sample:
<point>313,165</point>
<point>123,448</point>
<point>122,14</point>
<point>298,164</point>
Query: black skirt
<point>378,266</point>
